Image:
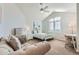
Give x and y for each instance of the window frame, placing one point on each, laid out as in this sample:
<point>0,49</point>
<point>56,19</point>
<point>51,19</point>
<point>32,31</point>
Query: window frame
<point>54,21</point>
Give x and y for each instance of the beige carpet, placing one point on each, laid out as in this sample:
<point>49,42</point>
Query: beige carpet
<point>57,47</point>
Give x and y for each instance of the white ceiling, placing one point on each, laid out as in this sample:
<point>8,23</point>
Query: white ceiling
<point>32,10</point>
<point>69,7</point>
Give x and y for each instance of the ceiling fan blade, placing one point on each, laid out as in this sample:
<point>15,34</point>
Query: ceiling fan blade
<point>45,7</point>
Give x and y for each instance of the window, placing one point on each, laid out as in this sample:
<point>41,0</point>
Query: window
<point>51,24</point>
<point>55,24</point>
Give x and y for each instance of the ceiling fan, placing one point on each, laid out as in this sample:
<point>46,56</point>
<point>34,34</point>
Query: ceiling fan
<point>44,8</point>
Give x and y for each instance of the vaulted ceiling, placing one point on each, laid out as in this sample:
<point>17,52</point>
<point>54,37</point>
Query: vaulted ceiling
<point>33,9</point>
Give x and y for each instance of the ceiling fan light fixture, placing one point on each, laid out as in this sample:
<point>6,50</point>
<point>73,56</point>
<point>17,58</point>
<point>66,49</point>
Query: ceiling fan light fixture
<point>43,8</point>
<point>42,11</point>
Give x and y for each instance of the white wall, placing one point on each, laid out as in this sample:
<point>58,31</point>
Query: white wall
<point>78,27</point>
<point>1,20</point>
<point>31,12</point>
<point>18,15</point>
<point>12,17</point>
<point>66,19</point>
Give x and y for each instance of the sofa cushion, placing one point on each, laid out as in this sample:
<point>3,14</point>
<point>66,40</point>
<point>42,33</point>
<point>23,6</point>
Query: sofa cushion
<point>5,49</point>
<point>35,49</point>
<point>14,42</point>
<point>25,45</point>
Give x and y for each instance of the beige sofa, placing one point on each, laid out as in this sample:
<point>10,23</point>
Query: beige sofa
<point>26,49</point>
<point>36,49</point>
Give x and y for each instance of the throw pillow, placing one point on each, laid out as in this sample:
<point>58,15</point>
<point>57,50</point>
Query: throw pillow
<point>14,42</point>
